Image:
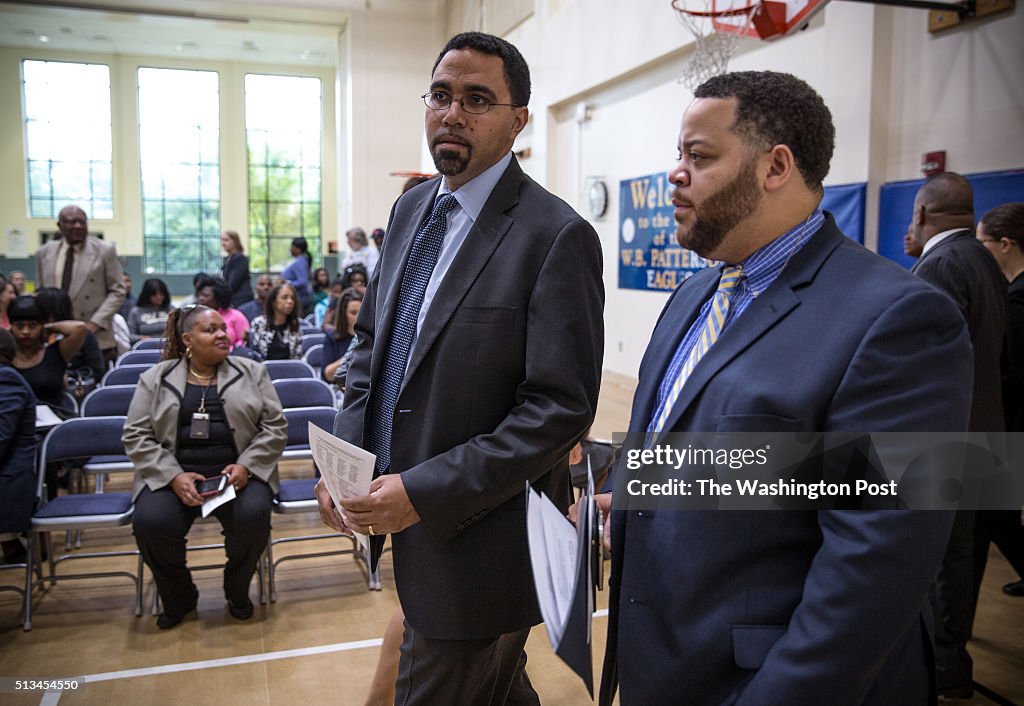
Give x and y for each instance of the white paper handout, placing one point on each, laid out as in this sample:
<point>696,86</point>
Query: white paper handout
<point>346,469</point>
<point>212,503</point>
<point>45,417</point>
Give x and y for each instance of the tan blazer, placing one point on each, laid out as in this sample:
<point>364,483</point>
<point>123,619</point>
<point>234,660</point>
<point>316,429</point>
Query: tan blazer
<point>97,284</point>
<point>251,404</point>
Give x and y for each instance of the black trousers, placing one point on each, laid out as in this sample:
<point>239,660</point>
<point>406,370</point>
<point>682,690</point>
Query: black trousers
<point>1003,528</point>
<point>161,523</point>
<point>487,672</point>
<point>953,602</point>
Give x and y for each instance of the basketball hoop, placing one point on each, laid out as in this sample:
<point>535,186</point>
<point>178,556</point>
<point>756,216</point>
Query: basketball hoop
<point>713,50</point>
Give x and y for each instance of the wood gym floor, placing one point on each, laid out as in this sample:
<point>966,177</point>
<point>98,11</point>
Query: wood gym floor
<point>319,642</point>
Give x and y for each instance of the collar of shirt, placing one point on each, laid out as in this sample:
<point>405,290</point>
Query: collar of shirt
<point>761,267</point>
<point>474,193</point>
<point>936,239</point>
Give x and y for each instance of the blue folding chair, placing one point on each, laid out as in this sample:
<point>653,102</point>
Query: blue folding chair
<point>296,496</point>
<point>312,339</point>
<point>150,344</point>
<point>124,374</point>
<point>308,329</point>
<point>141,357</point>
<point>315,356</point>
<point>77,438</point>
<point>303,392</point>
<point>112,400</point>
<point>280,369</point>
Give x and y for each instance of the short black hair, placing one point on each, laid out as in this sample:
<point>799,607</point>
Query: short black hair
<point>517,73</point>
<point>220,290</point>
<point>1006,221</point>
<point>26,308</point>
<point>151,287</point>
<point>774,108</point>
<point>355,269</point>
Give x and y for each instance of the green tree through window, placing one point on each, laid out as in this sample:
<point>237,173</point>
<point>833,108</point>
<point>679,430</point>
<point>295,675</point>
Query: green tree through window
<point>283,135</point>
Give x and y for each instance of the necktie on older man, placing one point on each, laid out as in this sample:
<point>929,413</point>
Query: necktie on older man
<point>69,269</point>
<point>422,259</point>
<point>709,333</point>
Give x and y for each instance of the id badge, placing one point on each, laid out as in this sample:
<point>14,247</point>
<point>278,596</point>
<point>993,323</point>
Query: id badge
<point>200,428</point>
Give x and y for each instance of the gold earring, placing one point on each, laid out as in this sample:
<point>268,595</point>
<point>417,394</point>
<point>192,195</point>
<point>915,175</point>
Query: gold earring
<point>188,353</point>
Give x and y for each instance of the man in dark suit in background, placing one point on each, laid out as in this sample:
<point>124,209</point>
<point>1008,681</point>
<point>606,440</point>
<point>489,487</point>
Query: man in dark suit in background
<point>955,262</point>
<point>808,332</point>
<point>477,370</point>
<point>89,271</point>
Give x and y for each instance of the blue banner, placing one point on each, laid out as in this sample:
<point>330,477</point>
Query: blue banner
<point>649,256</point>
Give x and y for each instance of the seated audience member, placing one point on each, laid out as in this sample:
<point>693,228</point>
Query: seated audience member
<point>236,268</point>
<point>17,278</point>
<point>129,299</point>
<point>198,415</point>
<point>337,342</point>
<point>216,294</point>
<point>276,334</point>
<point>320,311</point>
<point>88,361</point>
<point>42,365</point>
<point>199,280</point>
<point>255,307</point>
<point>353,276</point>
<point>321,283</point>
<point>7,295</point>
<point>360,252</point>
<point>148,318</point>
<point>17,454</point>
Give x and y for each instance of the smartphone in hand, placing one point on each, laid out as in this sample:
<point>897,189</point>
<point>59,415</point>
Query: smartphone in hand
<point>211,486</point>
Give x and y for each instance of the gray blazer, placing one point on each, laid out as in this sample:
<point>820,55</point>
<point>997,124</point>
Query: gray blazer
<point>502,382</point>
<point>97,284</point>
<point>251,404</point>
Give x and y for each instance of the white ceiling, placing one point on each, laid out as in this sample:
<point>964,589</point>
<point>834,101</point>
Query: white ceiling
<point>304,32</point>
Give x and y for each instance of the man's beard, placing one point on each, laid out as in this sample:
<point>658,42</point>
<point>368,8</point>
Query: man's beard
<point>449,162</point>
<point>722,211</point>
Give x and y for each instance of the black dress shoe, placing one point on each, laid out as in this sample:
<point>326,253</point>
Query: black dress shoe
<point>241,612</point>
<point>165,621</point>
<point>1014,589</point>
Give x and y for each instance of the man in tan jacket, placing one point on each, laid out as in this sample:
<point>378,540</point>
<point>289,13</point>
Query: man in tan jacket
<point>89,271</point>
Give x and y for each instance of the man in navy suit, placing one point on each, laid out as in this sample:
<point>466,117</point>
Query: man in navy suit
<point>819,335</point>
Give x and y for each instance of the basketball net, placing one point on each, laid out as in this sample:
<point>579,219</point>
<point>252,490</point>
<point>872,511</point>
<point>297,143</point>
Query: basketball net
<point>713,50</point>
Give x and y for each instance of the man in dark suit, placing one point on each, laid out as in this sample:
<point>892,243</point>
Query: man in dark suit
<point>809,332</point>
<point>477,370</point>
<point>955,262</point>
<point>89,271</point>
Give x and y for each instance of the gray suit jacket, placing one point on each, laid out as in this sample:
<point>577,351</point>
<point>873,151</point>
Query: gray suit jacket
<point>502,381</point>
<point>97,285</point>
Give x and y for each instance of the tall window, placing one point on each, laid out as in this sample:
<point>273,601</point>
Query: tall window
<point>282,119</point>
<point>179,141</point>
<point>67,137</point>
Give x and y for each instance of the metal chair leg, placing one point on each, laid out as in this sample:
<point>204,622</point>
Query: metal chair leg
<point>270,571</point>
<point>26,608</point>
<point>138,587</point>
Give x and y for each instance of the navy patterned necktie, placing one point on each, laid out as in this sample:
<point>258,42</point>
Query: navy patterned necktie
<point>422,259</point>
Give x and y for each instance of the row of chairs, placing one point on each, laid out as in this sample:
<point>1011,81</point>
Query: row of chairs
<point>98,438</point>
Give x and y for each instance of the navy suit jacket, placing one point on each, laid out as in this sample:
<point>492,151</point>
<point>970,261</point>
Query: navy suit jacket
<point>795,607</point>
<point>502,381</point>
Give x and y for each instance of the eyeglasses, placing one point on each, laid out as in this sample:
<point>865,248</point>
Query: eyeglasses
<point>473,103</point>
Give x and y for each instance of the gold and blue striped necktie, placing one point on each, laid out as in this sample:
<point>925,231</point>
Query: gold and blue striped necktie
<point>712,328</point>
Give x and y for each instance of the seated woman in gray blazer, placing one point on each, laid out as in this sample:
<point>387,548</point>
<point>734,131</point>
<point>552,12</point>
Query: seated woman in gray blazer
<point>196,415</point>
